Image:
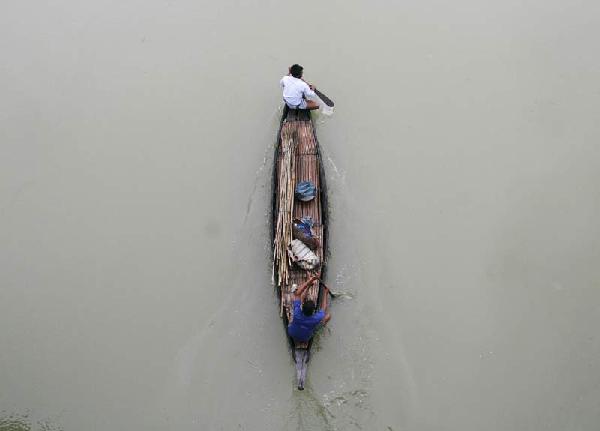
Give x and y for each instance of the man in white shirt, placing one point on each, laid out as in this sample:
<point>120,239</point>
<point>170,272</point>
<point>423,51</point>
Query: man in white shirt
<point>296,92</point>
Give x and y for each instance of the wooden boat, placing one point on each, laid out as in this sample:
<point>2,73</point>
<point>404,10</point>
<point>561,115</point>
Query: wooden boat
<point>297,158</point>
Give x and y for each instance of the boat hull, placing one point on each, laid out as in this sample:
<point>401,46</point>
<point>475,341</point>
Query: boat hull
<point>297,129</point>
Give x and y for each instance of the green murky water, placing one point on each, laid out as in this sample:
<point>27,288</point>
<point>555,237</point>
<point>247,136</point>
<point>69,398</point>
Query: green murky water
<point>462,161</point>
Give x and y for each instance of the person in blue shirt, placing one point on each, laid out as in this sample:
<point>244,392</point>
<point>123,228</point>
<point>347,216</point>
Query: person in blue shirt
<point>305,320</point>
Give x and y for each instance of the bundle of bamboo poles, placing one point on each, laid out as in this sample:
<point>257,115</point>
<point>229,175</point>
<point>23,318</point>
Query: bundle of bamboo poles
<point>285,204</point>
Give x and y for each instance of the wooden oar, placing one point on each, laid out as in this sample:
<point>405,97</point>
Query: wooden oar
<point>333,295</point>
<point>325,99</point>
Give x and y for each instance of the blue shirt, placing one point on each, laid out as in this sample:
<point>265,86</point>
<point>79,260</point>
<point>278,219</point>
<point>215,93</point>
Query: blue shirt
<point>303,327</point>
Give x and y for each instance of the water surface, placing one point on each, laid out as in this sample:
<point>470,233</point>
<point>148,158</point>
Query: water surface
<point>136,147</point>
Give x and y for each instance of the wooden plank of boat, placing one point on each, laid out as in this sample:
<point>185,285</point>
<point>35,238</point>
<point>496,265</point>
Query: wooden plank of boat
<point>297,158</point>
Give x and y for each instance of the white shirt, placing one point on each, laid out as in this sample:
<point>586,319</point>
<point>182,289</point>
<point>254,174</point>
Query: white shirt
<point>295,90</point>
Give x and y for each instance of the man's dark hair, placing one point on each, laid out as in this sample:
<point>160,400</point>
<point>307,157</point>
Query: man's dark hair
<point>296,71</point>
<point>308,308</point>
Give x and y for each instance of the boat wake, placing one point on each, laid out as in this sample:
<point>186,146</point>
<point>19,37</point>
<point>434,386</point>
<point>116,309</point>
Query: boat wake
<point>259,175</point>
<point>307,412</point>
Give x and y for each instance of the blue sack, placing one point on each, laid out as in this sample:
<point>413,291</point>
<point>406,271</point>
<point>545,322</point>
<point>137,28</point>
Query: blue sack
<point>305,191</point>
<point>307,220</point>
<point>303,227</point>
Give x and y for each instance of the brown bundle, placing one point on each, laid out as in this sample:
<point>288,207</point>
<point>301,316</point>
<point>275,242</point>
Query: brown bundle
<point>285,204</point>
<point>312,242</point>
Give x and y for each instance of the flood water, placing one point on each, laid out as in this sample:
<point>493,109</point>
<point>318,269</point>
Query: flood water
<point>136,143</point>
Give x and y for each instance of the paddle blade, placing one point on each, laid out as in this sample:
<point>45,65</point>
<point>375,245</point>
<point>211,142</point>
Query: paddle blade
<point>325,99</point>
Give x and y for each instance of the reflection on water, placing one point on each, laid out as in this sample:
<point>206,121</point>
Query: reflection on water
<point>25,423</point>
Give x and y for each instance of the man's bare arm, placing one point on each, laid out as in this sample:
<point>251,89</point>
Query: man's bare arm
<point>300,290</point>
<point>325,306</point>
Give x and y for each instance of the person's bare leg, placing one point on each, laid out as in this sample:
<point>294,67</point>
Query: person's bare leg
<point>311,104</point>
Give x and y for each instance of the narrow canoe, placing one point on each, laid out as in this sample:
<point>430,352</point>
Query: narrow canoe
<point>297,158</point>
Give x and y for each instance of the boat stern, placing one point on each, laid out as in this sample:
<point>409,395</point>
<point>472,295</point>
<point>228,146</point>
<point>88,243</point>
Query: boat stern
<point>301,359</point>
